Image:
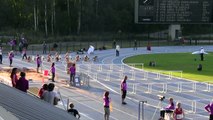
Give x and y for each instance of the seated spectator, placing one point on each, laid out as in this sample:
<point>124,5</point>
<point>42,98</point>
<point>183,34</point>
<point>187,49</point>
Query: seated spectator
<point>81,51</point>
<point>22,84</point>
<point>73,111</point>
<point>42,90</point>
<point>152,63</point>
<point>199,67</point>
<point>50,95</point>
<point>168,109</point>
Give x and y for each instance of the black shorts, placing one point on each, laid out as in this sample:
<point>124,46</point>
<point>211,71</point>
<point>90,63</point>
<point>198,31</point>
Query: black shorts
<point>38,65</point>
<point>123,93</point>
<point>210,117</point>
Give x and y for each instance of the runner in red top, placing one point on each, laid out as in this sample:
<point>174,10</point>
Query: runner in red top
<point>178,113</point>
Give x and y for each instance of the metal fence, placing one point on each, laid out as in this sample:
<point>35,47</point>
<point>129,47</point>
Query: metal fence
<point>100,45</point>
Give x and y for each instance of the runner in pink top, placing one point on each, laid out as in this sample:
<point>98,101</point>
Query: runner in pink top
<point>123,89</point>
<point>72,74</point>
<point>53,71</point>
<point>10,56</point>
<point>38,61</point>
<point>106,105</point>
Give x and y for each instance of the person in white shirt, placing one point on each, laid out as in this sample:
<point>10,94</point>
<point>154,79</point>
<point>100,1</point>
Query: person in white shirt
<point>202,54</point>
<point>50,96</point>
<point>117,50</point>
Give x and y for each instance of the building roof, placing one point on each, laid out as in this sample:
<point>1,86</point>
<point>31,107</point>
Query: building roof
<point>15,104</point>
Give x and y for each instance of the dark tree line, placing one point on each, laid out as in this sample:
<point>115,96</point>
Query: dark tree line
<point>67,16</point>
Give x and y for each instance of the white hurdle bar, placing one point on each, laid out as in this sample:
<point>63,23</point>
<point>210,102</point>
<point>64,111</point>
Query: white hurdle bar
<point>163,87</point>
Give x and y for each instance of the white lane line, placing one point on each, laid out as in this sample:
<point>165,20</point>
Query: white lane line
<point>108,56</point>
<point>82,114</point>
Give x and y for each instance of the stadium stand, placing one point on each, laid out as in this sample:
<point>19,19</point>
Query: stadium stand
<point>17,105</point>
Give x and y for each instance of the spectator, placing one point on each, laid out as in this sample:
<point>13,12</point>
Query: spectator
<point>209,109</point>
<point>55,46</point>
<point>148,46</point>
<point>106,105</point>
<point>135,45</point>
<point>44,47</point>
<point>38,61</point>
<point>73,111</point>
<point>14,77</point>
<point>22,84</point>
<point>50,95</point>
<point>72,74</point>
<point>24,54</point>
<point>1,57</point>
<point>42,90</point>
<point>168,109</point>
<point>11,55</point>
<point>123,89</point>
<point>199,67</point>
<point>53,72</point>
<point>178,113</point>
<point>202,54</point>
<point>117,50</point>
<point>20,46</point>
<point>114,44</point>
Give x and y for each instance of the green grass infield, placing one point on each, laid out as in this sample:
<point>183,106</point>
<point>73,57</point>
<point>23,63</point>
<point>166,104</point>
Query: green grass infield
<point>176,62</point>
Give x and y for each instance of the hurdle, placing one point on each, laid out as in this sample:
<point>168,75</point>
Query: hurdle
<point>145,75</point>
<point>132,75</point>
<point>108,77</point>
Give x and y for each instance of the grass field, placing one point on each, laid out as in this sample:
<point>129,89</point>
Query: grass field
<point>185,62</point>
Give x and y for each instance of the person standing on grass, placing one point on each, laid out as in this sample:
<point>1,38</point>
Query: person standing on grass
<point>73,111</point>
<point>202,54</point>
<point>72,74</point>
<point>106,100</point>
<point>10,56</point>
<point>38,61</point>
<point>53,72</point>
<point>209,109</point>
<point>123,90</point>
<point>14,77</point>
<point>1,57</point>
<point>22,84</point>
